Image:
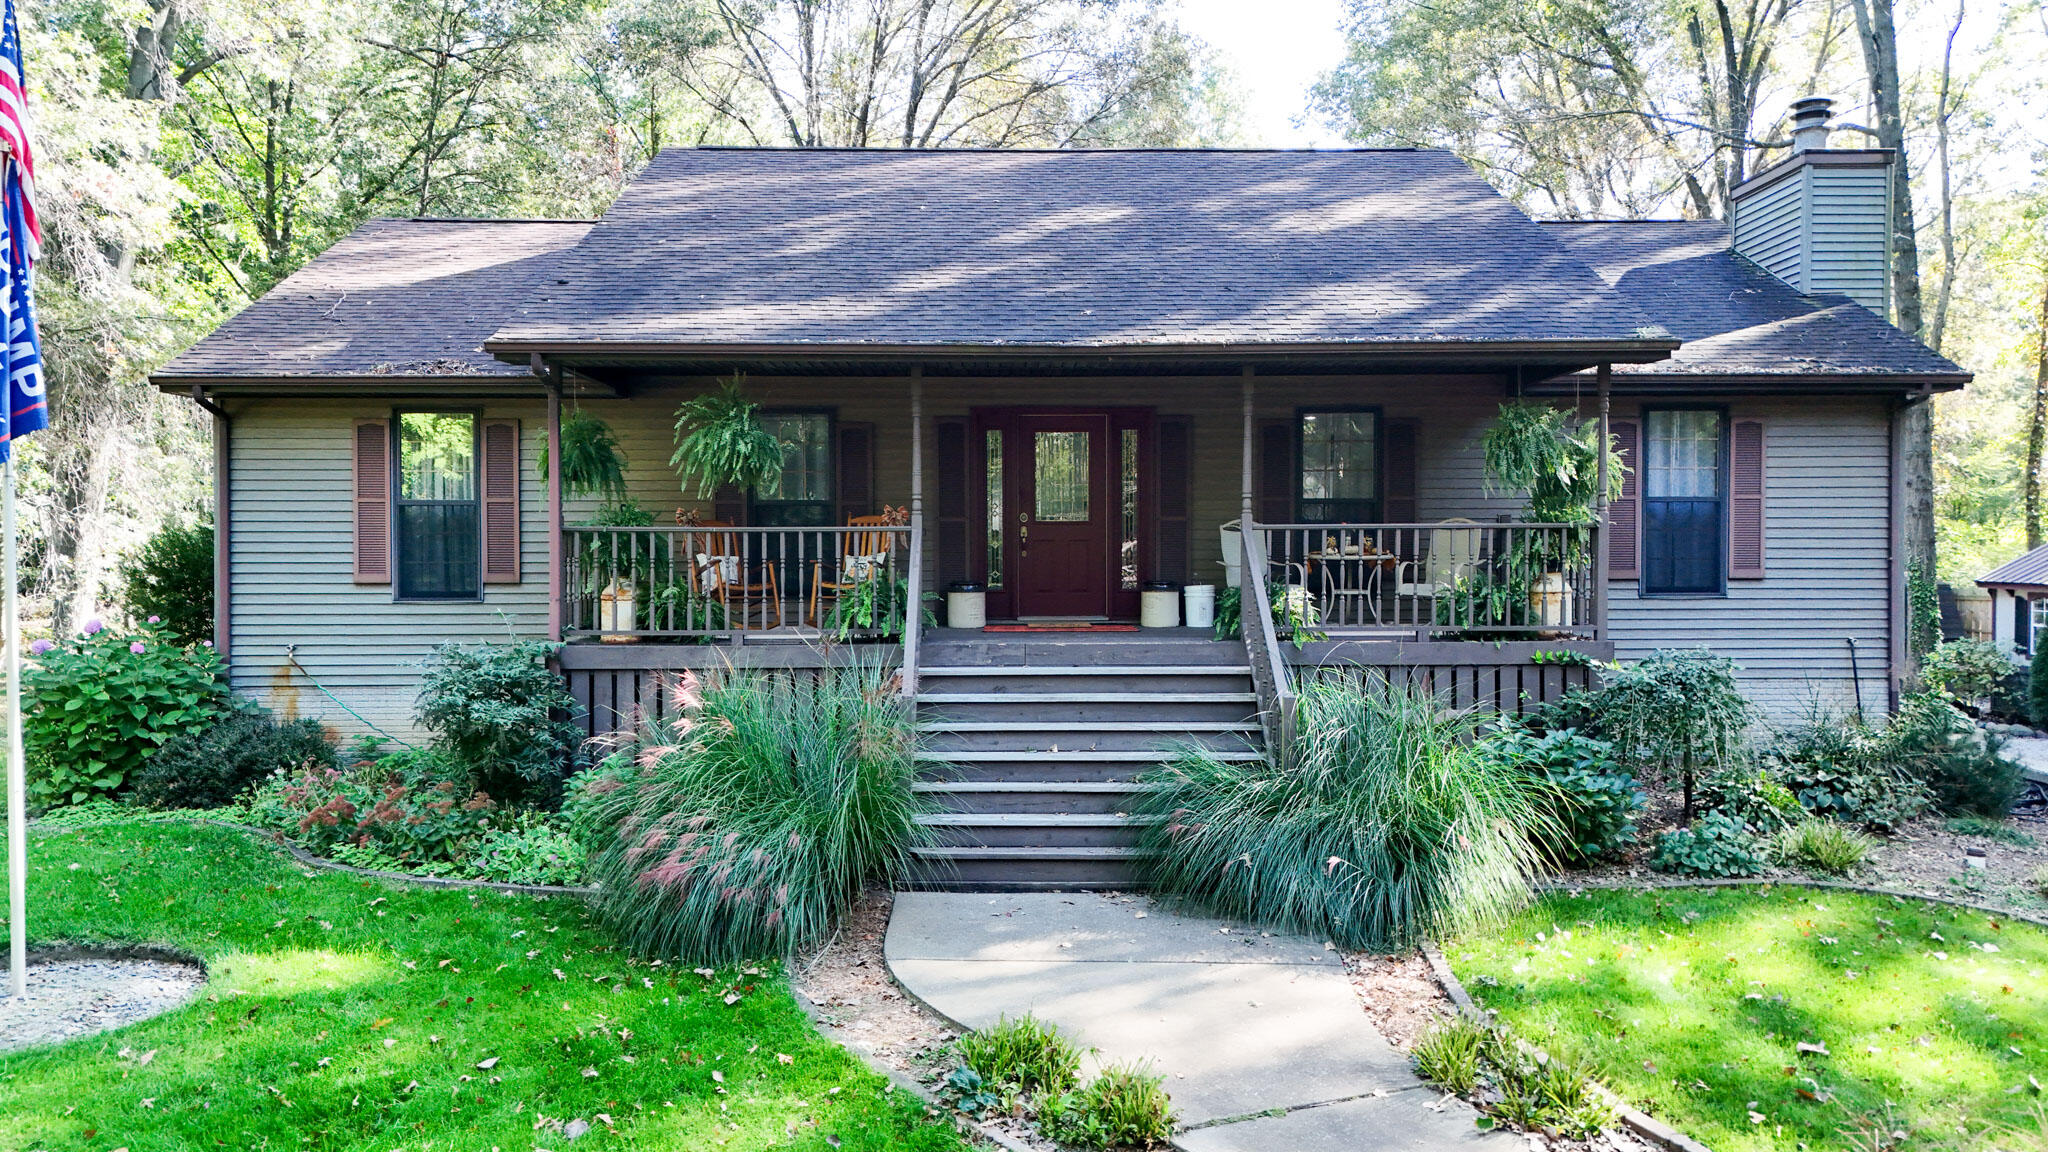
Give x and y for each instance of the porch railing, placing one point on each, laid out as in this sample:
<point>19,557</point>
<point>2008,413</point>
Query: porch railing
<point>714,582</point>
<point>1446,580</point>
<point>1271,677</point>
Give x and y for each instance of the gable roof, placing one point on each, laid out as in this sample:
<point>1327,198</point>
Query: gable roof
<point>817,249</point>
<point>2029,571</point>
<point>1737,320</point>
<point>394,298</point>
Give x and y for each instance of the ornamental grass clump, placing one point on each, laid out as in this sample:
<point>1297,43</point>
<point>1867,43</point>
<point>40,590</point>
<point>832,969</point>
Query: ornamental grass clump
<point>1383,827</point>
<point>748,822</point>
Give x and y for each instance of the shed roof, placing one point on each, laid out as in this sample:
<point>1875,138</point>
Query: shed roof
<point>2029,571</point>
<point>1085,250</point>
<point>394,298</point>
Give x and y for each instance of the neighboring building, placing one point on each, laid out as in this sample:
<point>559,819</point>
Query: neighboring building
<point>2019,602</point>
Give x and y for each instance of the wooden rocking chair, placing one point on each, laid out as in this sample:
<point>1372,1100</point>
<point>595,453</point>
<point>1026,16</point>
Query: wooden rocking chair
<point>863,557</point>
<point>721,567</point>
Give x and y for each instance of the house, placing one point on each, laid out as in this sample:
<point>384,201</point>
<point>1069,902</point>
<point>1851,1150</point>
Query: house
<point>1073,369</point>
<point>2019,602</point>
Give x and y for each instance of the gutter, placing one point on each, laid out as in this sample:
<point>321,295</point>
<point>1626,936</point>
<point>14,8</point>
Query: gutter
<point>1645,350</point>
<point>223,446</point>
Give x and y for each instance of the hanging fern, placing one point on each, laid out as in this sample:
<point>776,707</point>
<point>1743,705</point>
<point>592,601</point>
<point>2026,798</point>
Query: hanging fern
<point>591,463</point>
<point>1551,456</point>
<point>720,440</point>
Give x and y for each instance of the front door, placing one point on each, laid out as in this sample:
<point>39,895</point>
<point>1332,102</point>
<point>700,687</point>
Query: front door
<point>1060,514</point>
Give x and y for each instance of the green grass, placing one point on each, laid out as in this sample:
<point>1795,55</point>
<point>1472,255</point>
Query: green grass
<point>343,1013</point>
<point>1695,1003</point>
<point>1026,1052</point>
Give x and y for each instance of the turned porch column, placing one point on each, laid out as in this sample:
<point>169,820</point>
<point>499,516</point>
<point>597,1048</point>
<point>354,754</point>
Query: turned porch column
<point>1250,429</point>
<point>913,621</point>
<point>554,482</point>
<point>1605,383</point>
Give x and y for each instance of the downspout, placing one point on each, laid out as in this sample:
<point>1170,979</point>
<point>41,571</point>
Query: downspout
<point>223,444</point>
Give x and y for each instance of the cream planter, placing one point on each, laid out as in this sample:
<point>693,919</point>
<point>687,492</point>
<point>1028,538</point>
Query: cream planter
<point>616,610</point>
<point>1551,600</point>
<point>1159,608</point>
<point>966,609</point>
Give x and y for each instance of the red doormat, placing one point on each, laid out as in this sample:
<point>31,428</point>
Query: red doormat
<point>1081,627</point>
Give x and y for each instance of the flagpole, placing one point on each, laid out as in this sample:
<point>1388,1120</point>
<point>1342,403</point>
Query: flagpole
<point>17,781</point>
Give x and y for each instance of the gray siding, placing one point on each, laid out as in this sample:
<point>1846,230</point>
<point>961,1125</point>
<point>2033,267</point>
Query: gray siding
<point>1827,567</point>
<point>1822,228</point>
<point>1768,229</point>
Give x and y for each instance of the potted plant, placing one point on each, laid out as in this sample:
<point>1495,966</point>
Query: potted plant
<point>1553,458</point>
<point>720,440</point>
<point>591,463</point>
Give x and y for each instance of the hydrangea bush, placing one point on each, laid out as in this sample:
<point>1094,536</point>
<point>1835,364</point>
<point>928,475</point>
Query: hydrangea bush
<point>100,704</point>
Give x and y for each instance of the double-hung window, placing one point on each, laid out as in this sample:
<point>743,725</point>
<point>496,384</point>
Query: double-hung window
<point>801,494</point>
<point>1685,523</point>
<point>438,517</point>
<point>1340,467</point>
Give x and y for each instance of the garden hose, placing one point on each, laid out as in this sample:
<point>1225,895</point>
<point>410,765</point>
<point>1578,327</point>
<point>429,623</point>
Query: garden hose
<point>291,655</point>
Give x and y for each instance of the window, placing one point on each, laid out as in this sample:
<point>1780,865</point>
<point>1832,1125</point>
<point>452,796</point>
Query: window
<point>438,526</point>
<point>1340,467</point>
<point>2032,622</point>
<point>1127,550</point>
<point>801,496</point>
<point>1684,509</point>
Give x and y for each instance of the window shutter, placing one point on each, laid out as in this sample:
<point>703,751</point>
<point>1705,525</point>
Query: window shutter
<point>856,467</point>
<point>2022,624</point>
<point>501,501</point>
<point>373,501</point>
<point>1625,513</point>
<point>1172,526</point>
<point>729,505</point>
<point>1746,500</point>
<point>1403,441</point>
<point>1276,475</point>
<point>949,459</point>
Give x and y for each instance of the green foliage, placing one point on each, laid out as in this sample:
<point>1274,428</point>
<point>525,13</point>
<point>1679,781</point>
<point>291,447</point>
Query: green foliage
<point>755,814</point>
<point>1024,1055</point>
<point>1716,845</point>
<point>624,513</point>
<point>1448,1054</point>
<point>1823,846</point>
<point>1553,458</point>
<point>1125,1106</point>
<point>1296,613</point>
<point>1923,609</point>
<point>1836,766</point>
<point>1965,670</point>
<point>720,440</point>
<point>211,767</point>
<point>1752,795</point>
<point>1229,613</point>
<point>100,705</point>
<point>969,1094</point>
<point>2037,687</point>
<point>591,462</point>
<point>527,848</point>
<point>1987,828</point>
<point>875,605</point>
<point>1385,827</point>
<point>170,582</point>
<point>1677,710</point>
<point>1542,1091</point>
<point>1963,767</point>
<point>498,712</point>
<point>1591,800</point>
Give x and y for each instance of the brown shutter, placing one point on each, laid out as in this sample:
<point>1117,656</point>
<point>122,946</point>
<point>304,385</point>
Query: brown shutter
<point>1277,477</point>
<point>949,459</point>
<point>1172,521</point>
<point>856,467</point>
<point>373,501</point>
<point>729,505</point>
<point>1746,500</point>
<point>1403,439</point>
<point>501,501</point>
<point>1625,513</point>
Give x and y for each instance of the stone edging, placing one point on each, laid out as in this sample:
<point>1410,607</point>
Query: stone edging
<point>64,953</point>
<point>305,857</point>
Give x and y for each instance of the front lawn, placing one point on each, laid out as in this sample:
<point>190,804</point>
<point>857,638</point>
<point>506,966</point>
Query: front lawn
<point>1784,1018</point>
<point>345,1013</point>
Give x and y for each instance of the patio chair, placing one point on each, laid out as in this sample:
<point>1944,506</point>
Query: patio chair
<point>1452,555</point>
<point>863,556</point>
<point>722,574</point>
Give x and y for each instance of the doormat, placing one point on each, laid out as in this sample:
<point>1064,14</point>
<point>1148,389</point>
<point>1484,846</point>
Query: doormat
<point>1081,626</point>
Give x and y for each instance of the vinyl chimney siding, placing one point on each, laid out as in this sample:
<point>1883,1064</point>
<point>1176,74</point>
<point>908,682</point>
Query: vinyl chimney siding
<point>1819,221</point>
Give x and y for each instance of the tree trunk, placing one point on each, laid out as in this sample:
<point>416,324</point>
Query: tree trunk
<point>2037,426</point>
<point>80,479</point>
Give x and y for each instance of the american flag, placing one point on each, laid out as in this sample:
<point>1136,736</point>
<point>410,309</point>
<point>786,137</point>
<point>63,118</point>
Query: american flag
<point>22,237</point>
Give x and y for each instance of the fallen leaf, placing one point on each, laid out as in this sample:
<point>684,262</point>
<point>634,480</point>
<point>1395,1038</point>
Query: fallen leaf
<point>784,1058</point>
<point>487,1065</point>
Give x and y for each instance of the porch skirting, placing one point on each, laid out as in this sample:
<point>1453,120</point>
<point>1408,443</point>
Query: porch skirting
<point>1499,677</point>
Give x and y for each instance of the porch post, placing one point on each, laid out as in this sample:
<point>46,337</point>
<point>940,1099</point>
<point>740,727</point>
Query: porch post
<point>913,620</point>
<point>554,481</point>
<point>1605,383</point>
<point>917,446</point>
<point>1250,428</point>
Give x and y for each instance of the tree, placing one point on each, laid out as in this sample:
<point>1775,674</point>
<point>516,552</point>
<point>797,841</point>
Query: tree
<point>2037,425</point>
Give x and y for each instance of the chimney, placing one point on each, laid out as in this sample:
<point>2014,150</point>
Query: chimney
<point>1820,219</point>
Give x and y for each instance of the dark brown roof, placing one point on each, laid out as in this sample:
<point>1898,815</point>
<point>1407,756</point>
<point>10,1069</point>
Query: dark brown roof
<point>1081,250</point>
<point>2029,571</point>
<point>397,298</point>
<point>1736,319</point>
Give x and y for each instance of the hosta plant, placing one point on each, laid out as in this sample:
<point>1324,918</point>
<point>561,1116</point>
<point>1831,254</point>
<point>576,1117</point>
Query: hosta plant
<point>99,705</point>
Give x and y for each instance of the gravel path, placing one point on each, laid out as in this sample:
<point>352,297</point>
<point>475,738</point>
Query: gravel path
<point>78,997</point>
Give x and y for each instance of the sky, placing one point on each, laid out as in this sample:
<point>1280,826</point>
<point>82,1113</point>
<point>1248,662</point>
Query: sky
<point>1276,49</point>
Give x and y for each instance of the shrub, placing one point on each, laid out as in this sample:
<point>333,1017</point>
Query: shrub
<point>413,808</point>
<point>1592,801</point>
<point>100,705</point>
<point>1753,796</point>
<point>1963,767</point>
<point>1125,1106</point>
<point>1676,710</point>
<point>1839,768</point>
<point>1448,1054</point>
<point>754,815</point>
<point>1823,846</point>
<point>1990,829</point>
<point>501,715</point>
<point>1716,845</point>
<point>211,767</point>
<point>2039,878</point>
<point>527,848</point>
<point>2037,687</point>
<point>171,581</point>
<point>1026,1054</point>
<point>1964,671</point>
<point>1384,827</point>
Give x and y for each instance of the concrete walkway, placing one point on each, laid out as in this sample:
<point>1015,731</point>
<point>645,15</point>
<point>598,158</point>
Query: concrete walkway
<point>1261,1038</point>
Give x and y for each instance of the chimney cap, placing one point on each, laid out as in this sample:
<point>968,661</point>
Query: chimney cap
<point>1810,116</point>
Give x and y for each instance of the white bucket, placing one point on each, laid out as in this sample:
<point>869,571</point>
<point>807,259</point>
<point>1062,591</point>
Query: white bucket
<point>1233,554</point>
<point>966,609</point>
<point>1160,609</point>
<point>1201,605</point>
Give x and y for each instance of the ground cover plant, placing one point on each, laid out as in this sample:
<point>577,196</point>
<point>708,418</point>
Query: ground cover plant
<point>1592,801</point>
<point>1384,826</point>
<point>1781,1018</point>
<point>357,1016</point>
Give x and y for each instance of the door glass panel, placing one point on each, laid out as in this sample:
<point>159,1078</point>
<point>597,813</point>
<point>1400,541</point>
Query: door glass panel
<point>1062,477</point>
<point>995,508</point>
<point>1127,559</point>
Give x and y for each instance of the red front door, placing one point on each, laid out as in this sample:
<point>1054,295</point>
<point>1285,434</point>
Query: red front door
<point>1059,514</point>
